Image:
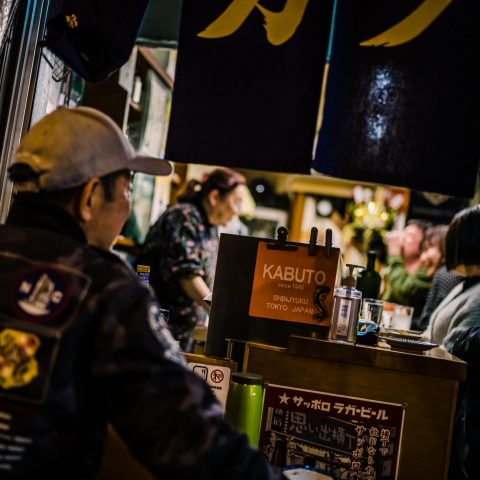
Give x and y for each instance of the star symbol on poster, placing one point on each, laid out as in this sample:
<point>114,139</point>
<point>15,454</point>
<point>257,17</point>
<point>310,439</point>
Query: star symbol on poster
<point>284,399</point>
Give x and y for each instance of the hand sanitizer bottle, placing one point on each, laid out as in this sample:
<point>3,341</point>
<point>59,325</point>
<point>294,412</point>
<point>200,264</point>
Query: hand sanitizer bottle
<point>346,306</point>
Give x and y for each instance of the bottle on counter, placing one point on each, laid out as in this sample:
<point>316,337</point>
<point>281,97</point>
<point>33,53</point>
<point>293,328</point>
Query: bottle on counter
<point>370,280</point>
<point>143,273</point>
<point>346,307</point>
<point>244,404</point>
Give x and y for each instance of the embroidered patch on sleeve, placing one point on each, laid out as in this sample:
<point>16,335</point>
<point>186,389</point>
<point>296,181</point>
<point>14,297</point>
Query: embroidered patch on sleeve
<point>38,303</point>
<point>18,365</point>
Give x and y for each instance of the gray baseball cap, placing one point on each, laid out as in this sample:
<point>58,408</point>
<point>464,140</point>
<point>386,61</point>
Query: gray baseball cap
<point>68,147</point>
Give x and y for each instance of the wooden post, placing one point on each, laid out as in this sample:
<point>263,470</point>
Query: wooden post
<point>296,215</point>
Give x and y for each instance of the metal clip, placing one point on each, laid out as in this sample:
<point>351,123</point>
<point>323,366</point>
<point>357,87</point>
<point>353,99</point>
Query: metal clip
<point>281,243</point>
<point>328,242</point>
<point>312,245</point>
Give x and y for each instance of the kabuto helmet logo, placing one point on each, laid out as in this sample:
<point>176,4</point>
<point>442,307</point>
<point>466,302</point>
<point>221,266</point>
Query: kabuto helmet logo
<point>94,38</point>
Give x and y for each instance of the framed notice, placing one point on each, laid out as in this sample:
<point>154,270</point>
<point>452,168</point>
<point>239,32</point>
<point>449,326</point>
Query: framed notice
<point>354,438</point>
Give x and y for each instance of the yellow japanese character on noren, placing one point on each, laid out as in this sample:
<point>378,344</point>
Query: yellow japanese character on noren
<point>410,27</point>
<point>280,26</point>
<point>71,20</point>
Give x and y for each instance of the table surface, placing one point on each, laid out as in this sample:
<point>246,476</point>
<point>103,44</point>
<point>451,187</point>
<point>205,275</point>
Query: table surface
<point>435,362</point>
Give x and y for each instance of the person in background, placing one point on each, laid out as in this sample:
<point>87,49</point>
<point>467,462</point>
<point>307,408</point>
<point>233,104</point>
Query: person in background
<point>82,341</point>
<point>455,326</point>
<point>181,248</point>
<point>433,258</point>
<point>406,280</point>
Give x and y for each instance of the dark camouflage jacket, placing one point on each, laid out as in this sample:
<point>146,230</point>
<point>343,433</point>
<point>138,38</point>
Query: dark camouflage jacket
<point>81,345</point>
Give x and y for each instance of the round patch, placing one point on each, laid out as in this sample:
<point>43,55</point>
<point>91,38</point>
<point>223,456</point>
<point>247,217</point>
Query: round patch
<point>41,294</point>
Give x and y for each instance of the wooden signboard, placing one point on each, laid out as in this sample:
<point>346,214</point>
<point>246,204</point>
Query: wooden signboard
<point>265,291</point>
<point>293,286</point>
<point>347,436</point>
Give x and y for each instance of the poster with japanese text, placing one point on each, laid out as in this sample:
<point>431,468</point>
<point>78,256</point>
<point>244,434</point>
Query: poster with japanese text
<point>346,437</point>
<point>293,285</point>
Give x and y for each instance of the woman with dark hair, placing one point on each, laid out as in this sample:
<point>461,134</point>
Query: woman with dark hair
<point>455,325</point>
<point>433,259</point>
<point>454,315</point>
<point>181,248</point>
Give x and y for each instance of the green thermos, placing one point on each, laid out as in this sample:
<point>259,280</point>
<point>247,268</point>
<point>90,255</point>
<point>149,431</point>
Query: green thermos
<point>244,404</point>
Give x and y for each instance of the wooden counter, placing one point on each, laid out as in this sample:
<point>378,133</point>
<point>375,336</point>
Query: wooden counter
<point>425,385</point>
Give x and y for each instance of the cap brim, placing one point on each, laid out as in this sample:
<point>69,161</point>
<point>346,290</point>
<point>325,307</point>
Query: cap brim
<point>150,165</point>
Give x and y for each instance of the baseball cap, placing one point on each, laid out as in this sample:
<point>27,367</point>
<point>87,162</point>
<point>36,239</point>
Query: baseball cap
<point>69,146</point>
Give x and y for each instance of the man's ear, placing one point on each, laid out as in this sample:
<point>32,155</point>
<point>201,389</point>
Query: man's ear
<point>87,199</point>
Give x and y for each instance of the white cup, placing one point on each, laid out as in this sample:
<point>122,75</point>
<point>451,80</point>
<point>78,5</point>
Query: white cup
<point>402,317</point>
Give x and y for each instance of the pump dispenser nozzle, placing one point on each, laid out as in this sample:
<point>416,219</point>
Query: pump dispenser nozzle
<point>351,279</point>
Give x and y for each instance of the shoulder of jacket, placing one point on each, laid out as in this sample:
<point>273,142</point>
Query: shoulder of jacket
<point>111,259</point>
<point>184,212</point>
<point>422,276</point>
<point>475,295</point>
<point>185,208</point>
<point>394,261</point>
<point>464,302</point>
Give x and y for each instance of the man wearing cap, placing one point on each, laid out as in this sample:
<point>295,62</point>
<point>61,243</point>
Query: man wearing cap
<point>81,339</point>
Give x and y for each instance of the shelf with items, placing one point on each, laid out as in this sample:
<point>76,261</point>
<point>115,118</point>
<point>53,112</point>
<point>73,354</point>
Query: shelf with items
<point>138,98</point>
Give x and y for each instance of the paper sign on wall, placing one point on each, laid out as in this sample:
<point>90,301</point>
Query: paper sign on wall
<point>294,286</point>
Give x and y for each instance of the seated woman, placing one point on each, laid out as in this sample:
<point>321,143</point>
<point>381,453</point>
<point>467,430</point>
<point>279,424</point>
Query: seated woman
<point>455,325</point>
<point>405,280</point>
<point>433,258</point>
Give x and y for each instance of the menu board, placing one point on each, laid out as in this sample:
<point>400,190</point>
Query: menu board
<point>293,286</point>
<point>351,437</point>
